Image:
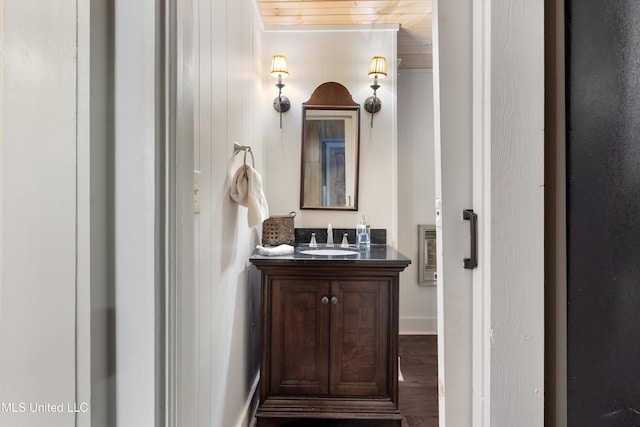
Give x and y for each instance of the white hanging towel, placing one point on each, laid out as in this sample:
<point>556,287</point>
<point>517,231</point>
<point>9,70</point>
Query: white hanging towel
<point>246,190</point>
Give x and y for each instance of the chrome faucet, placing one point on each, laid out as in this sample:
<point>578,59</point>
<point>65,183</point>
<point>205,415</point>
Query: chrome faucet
<point>329,236</point>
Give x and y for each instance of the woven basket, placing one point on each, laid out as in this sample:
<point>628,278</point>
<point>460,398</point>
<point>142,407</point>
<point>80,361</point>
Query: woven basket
<point>278,230</point>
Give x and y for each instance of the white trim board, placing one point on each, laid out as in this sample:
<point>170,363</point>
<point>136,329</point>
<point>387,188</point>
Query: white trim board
<point>418,326</point>
<point>247,417</point>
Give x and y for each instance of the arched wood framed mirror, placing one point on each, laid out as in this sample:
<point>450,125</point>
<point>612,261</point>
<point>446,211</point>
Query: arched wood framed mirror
<point>330,149</point>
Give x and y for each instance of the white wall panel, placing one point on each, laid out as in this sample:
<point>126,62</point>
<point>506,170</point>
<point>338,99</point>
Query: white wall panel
<point>313,59</point>
<point>416,195</point>
<point>137,134</point>
<point>37,211</point>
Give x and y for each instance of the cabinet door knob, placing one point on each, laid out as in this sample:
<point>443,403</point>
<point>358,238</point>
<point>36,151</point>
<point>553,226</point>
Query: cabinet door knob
<point>334,300</point>
<point>325,300</point>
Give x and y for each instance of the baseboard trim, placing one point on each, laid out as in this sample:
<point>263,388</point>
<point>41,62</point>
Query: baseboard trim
<point>418,326</point>
<point>247,417</point>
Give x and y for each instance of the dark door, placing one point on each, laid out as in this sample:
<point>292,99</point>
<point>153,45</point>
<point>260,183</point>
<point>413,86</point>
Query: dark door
<point>603,201</point>
<point>360,338</point>
<point>300,337</point>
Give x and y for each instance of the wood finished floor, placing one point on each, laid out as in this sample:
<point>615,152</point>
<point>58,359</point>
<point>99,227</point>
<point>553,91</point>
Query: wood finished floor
<point>419,390</point>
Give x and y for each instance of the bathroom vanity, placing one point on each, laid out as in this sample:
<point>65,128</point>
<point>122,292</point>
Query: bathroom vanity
<point>329,346</point>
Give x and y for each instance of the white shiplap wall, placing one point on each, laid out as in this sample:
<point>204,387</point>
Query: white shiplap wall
<point>226,82</point>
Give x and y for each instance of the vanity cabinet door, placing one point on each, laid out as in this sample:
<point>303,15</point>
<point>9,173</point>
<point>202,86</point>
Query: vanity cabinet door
<point>360,337</point>
<point>299,347</point>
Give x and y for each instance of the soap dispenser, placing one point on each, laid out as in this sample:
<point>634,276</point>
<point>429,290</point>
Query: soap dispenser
<point>363,233</point>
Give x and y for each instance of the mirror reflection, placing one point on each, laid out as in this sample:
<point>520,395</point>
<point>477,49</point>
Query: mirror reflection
<point>330,155</point>
<point>329,158</point>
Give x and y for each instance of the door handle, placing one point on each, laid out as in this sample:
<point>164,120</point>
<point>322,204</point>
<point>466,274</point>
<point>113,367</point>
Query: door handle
<point>325,300</point>
<point>472,261</point>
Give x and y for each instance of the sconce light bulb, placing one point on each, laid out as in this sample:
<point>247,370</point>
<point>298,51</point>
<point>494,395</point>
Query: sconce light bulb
<point>378,67</point>
<point>279,66</point>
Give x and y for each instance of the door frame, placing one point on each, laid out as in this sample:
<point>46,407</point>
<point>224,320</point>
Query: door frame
<point>496,331</point>
<point>481,368</point>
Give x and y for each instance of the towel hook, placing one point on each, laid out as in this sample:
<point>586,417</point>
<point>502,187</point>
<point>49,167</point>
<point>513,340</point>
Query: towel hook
<point>238,148</point>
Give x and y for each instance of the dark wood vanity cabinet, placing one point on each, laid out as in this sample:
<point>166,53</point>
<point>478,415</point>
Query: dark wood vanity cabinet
<point>329,342</point>
<point>329,338</point>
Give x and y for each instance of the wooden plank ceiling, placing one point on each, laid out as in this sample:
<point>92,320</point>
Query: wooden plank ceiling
<point>414,17</point>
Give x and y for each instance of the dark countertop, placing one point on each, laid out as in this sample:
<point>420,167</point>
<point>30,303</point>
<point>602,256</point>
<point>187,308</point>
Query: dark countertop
<point>377,255</point>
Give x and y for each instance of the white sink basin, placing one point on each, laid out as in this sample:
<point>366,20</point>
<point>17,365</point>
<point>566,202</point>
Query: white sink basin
<point>328,252</point>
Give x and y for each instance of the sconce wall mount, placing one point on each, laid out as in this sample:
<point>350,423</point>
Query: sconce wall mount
<point>373,104</point>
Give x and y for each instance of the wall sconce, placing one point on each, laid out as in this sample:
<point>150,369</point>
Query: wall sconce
<point>377,69</point>
<point>279,69</point>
